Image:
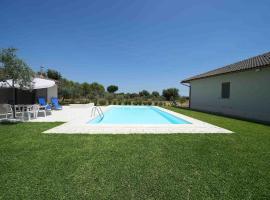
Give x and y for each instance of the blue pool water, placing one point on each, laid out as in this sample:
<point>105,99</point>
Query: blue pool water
<point>137,115</point>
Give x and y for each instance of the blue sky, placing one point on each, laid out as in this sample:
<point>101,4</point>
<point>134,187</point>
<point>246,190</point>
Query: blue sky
<point>135,44</point>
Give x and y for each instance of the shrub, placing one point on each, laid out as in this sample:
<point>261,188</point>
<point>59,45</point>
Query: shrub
<point>145,103</point>
<point>156,103</point>
<point>149,103</point>
<point>114,102</point>
<point>102,102</point>
<point>160,103</point>
<point>72,101</point>
<point>135,103</point>
<point>139,102</point>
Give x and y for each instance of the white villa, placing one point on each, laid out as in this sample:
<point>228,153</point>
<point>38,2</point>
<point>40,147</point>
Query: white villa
<point>241,89</point>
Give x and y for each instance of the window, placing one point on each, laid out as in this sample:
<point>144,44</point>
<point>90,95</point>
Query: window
<point>225,90</point>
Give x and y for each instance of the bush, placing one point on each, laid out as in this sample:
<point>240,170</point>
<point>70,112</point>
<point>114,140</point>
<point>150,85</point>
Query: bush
<point>119,103</point>
<point>145,103</point>
<point>128,102</point>
<point>135,103</point>
<point>102,102</point>
<point>72,101</point>
<point>149,103</point>
<point>139,102</point>
<point>114,102</point>
<point>160,103</point>
<point>156,103</point>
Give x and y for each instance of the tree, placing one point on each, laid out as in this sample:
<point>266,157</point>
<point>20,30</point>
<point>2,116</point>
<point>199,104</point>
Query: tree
<point>96,90</point>
<point>16,70</point>
<point>112,88</point>
<point>171,94</point>
<point>65,93</point>
<point>86,89</point>
<point>133,95</point>
<point>144,93</point>
<point>53,74</point>
<point>155,94</point>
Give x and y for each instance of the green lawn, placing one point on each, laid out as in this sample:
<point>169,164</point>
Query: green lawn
<point>179,166</point>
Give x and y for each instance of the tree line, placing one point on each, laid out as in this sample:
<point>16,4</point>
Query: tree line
<point>74,92</point>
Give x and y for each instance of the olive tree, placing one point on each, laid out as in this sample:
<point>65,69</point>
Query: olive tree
<point>144,93</point>
<point>15,70</point>
<point>53,74</point>
<point>171,94</point>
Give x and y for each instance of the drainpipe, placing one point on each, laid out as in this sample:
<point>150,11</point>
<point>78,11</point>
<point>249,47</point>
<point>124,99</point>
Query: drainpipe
<point>189,93</point>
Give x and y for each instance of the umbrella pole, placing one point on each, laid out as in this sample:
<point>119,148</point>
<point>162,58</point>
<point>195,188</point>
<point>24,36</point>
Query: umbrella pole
<point>14,97</point>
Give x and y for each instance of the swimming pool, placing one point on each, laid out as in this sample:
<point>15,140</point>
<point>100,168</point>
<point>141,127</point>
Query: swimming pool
<point>137,115</point>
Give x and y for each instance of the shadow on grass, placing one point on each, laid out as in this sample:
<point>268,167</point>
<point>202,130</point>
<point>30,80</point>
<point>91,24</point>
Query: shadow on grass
<point>224,115</point>
<point>9,122</point>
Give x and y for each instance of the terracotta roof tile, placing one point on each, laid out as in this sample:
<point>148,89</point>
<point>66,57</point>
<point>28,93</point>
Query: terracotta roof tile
<point>250,63</point>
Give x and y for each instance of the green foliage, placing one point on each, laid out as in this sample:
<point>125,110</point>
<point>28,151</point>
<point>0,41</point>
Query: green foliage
<point>144,93</point>
<point>86,89</point>
<point>133,95</point>
<point>53,74</point>
<point>96,90</point>
<point>160,103</point>
<point>171,94</point>
<point>71,89</point>
<point>112,88</point>
<point>102,102</point>
<point>155,94</point>
<point>15,69</point>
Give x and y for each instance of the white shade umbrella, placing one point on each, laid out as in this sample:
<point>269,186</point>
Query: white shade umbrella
<point>37,83</point>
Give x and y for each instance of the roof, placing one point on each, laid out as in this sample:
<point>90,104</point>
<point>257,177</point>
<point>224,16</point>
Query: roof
<point>259,61</point>
<point>37,83</point>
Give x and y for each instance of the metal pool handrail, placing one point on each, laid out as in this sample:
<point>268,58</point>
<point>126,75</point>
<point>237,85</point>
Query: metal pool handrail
<point>97,109</point>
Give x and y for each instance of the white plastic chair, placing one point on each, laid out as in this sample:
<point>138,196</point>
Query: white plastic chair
<point>40,109</point>
<point>19,111</point>
<point>5,110</point>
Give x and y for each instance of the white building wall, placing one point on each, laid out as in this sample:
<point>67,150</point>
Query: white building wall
<point>52,92</point>
<point>249,94</point>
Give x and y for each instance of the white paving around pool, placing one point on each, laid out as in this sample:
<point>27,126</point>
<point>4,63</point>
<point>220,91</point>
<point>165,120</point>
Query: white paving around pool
<point>76,123</point>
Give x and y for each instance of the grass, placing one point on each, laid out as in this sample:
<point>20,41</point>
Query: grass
<point>34,165</point>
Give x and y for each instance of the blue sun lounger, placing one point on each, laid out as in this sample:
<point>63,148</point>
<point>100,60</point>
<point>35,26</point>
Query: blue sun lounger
<point>55,104</point>
<point>43,104</point>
